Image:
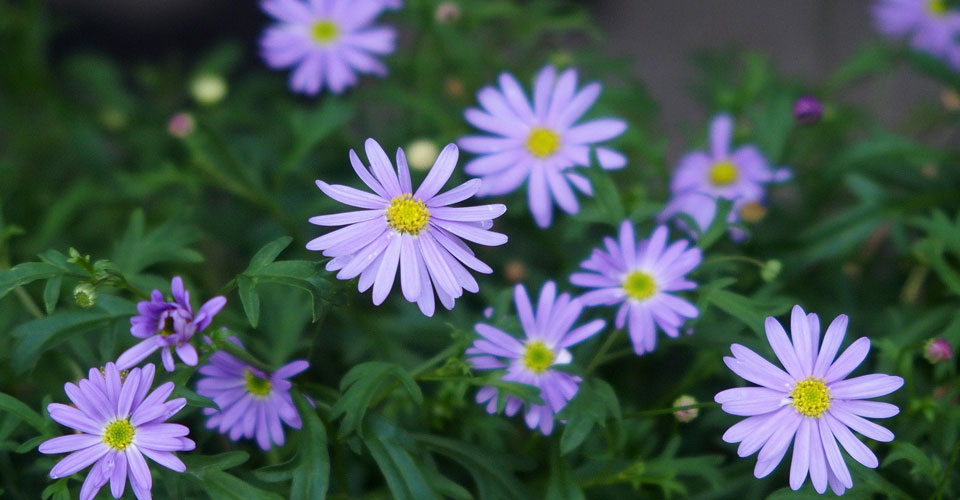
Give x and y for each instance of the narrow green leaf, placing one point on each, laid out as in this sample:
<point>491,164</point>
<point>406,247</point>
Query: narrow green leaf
<point>362,384</point>
<point>14,406</point>
<point>268,254</point>
<point>389,446</point>
<point>491,471</point>
<point>249,298</point>
<point>312,477</point>
<point>25,273</point>
<point>51,293</point>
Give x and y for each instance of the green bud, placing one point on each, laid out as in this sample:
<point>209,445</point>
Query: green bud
<point>85,294</point>
<point>770,270</point>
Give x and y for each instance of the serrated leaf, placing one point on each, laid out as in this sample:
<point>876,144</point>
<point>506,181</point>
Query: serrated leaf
<point>362,384</point>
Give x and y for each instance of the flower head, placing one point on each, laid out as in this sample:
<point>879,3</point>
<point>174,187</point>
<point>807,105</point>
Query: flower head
<point>929,26</point>
<point>811,404</point>
<point>641,277</point>
<point>539,143</point>
<point>807,110</point>
<point>548,333</point>
<point>417,231</point>
<point>252,403</point>
<point>168,325</point>
<point>118,421</point>
<point>736,174</point>
<point>327,41</point>
<point>937,350</point>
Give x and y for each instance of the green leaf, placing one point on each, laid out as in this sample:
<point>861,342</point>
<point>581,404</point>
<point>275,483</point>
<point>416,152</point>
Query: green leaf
<point>750,311</point>
<point>31,443</point>
<point>303,274</point>
<point>605,193</point>
<point>718,226</point>
<point>268,254</point>
<point>250,299</point>
<point>491,471</point>
<point>362,384</point>
<point>25,273</point>
<point>51,293</point>
<point>220,485</point>
<point>562,485</point>
<point>311,477</point>
<point>14,406</point>
<point>594,403</point>
<point>200,464</point>
<point>389,446</point>
<point>57,491</point>
<point>140,249</point>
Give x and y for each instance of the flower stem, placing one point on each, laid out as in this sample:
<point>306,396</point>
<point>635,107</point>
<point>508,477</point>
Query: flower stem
<point>664,411</point>
<point>938,494</point>
<point>237,352</point>
<point>598,357</point>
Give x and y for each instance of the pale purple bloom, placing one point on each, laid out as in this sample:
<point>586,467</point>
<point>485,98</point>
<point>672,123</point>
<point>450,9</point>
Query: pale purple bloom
<point>252,403</point>
<point>117,424</point>
<point>165,325</point>
<point>930,26</point>
<point>327,42</point>
<point>642,277</point>
<point>417,231</point>
<point>548,334</point>
<point>392,4</point>
<point>811,404</point>
<point>540,142</point>
<point>736,174</point>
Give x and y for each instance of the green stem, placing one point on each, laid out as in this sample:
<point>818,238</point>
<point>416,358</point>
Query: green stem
<point>235,351</point>
<point>938,494</point>
<point>435,360</point>
<point>598,357</point>
<point>28,302</point>
<point>664,411</point>
<point>740,258</point>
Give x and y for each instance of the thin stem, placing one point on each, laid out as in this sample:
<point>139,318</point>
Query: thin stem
<point>664,411</point>
<point>741,258</point>
<point>435,360</point>
<point>235,351</point>
<point>598,357</point>
<point>946,474</point>
<point>28,302</point>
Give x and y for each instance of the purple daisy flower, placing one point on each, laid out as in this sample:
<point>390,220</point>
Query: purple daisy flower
<point>117,423</point>
<point>164,324</point>
<point>252,403</point>
<point>539,142</point>
<point>929,26</point>
<point>702,177</point>
<point>548,335</point>
<point>641,277</point>
<point>810,404</point>
<point>328,41</point>
<point>416,231</point>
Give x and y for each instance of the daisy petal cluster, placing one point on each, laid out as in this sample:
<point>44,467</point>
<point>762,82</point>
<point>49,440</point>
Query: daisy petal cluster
<point>418,232</point>
<point>252,403</point>
<point>548,331</point>
<point>930,26</point>
<point>539,142</point>
<point>642,278</point>
<point>810,402</point>
<point>118,421</point>
<point>327,42</point>
<point>168,326</point>
<point>735,174</point>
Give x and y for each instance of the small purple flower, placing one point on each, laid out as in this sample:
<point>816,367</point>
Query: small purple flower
<point>252,403</point>
<point>117,423</point>
<point>937,350</point>
<point>327,41</point>
<point>164,324</point>
<point>548,335</point>
<point>930,26</point>
<point>539,142</point>
<point>642,278</point>
<point>417,231</point>
<point>807,110</point>
<point>810,404</point>
<point>702,177</point>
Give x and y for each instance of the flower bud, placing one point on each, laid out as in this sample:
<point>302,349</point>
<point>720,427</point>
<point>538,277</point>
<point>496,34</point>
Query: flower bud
<point>447,13</point>
<point>937,350</point>
<point>515,271</point>
<point>454,87</point>
<point>687,415</point>
<point>753,212</point>
<point>180,125</point>
<point>85,294</point>
<point>807,110</point>
<point>770,270</point>
<point>421,154</point>
<point>208,89</point>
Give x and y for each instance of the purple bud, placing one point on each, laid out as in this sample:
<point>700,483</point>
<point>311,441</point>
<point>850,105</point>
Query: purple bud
<point>180,125</point>
<point>807,110</point>
<point>937,350</point>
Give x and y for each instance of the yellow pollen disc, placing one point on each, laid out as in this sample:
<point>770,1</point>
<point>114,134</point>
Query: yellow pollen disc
<point>811,397</point>
<point>543,142</point>
<point>639,285</point>
<point>118,434</point>
<point>324,32</point>
<point>938,7</point>
<point>168,328</point>
<point>407,214</point>
<point>256,385</point>
<point>723,173</point>
<point>537,357</point>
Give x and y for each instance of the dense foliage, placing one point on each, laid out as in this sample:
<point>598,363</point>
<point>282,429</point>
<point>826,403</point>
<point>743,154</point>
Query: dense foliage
<point>101,204</point>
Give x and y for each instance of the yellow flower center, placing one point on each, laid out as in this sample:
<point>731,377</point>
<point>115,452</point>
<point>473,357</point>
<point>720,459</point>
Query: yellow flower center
<point>811,397</point>
<point>168,328</point>
<point>938,7</point>
<point>723,173</point>
<point>543,142</point>
<point>256,385</point>
<point>324,32</point>
<point>639,285</point>
<point>537,357</point>
<point>407,214</point>
<point>118,434</point>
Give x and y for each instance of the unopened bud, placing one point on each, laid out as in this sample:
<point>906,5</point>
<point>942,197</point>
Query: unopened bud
<point>454,87</point>
<point>689,414</point>
<point>807,110</point>
<point>180,125</point>
<point>447,13</point>
<point>421,154</point>
<point>770,270</point>
<point>937,350</point>
<point>208,89</point>
<point>753,212</point>
<point>85,294</point>
<point>515,271</point>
